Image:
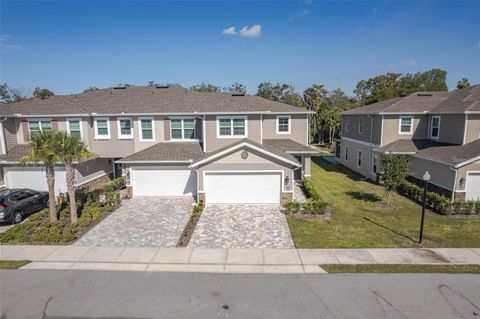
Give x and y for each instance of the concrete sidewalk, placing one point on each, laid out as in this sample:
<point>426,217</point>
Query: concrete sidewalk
<point>225,260</point>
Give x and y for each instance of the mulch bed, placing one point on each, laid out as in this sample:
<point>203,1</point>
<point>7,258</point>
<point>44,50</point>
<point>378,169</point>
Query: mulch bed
<point>189,229</point>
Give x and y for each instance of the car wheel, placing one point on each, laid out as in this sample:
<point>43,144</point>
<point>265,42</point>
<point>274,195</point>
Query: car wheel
<point>17,217</point>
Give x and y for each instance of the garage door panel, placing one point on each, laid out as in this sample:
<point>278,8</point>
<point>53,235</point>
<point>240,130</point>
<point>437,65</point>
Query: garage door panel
<point>473,186</point>
<point>243,188</point>
<point>34,178</point>
<point>158,181</point>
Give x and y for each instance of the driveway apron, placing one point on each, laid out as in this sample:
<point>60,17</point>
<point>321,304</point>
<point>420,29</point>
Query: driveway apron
<point>142,222</point>
<point>242,226</point>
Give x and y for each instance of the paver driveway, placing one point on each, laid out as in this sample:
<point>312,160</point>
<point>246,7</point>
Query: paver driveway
<point>242,226</point>
<point>142,221</point>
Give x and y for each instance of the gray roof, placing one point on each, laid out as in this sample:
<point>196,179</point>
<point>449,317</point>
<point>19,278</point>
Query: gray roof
<point>289,146</point>
<point>266,147</point>
<point>408,146</point>
<point>460,101</point>
<point>16,153</point>
<point>453,154</point>
<point>147,100</point>
<point>167,151</point>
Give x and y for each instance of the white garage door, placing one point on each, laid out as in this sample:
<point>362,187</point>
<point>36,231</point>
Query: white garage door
<point>473,186</point>
<point>161,181</point>
<point>242,188</point>
<point>34,178</point>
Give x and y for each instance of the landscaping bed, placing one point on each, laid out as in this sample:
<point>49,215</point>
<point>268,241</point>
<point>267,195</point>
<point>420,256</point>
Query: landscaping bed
<point>191,225</point>
<point>358,221</point>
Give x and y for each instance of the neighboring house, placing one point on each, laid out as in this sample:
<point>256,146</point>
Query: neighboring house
<point>168,141</point>
<point>436,131</point>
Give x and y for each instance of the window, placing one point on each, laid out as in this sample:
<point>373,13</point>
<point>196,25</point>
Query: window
<point>359,158</point>
<point>360,125</point>
<point>374,164</point>
<point>74,127</point>
<point>125,130</point>
<point>39,125</point>
<point>146,129</point>
<point>435,127</point>
<point>102,128</point>
<point>283,124</point>
<point>346,153</point>
<point>347,125</point>
<point>231,127</point>
<point>182,129</point>
<point>406,125</point>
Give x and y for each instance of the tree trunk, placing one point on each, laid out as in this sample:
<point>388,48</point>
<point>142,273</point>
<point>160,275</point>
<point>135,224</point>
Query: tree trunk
<point>70,172</point>
<point>51,194</point>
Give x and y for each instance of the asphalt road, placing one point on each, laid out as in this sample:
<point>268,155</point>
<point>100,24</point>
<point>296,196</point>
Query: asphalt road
<point>103,294</point>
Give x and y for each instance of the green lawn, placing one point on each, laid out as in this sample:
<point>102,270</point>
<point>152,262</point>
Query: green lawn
<point>431,269</point>
<point>12,264</point>
<point>358,219</point>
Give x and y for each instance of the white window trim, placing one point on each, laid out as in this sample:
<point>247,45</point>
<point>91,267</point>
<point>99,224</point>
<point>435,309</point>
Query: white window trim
<point>101,137</point>
<point>289,124</point>
<point>140,136</point>
<point>231,126</point>
<point>360,119</point>
<point>400,125</point>
<point>431,126</point>
<point>80,124</point>
<point>121,136</point>
<point>359,158</point>
<point>39,124</point>
<point>183,139</point>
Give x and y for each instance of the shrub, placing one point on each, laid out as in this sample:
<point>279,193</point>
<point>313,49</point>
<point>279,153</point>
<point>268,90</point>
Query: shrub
<point>114,185</point>
<point>319,206</point>
<point>310,189</point>
<point>197,209</point>
<point>292,207</point>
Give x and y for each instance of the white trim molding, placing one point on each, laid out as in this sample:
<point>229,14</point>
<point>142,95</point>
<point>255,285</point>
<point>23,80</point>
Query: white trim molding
<point>465,130</point>
<point>121,136</point>
<point>277,124</point>
<point>140,132</point>
<point>438,127</point>
<point>231,118</point>
<point>183,139</point>
<point>95,128</point>
<point>400,118</point>
<point>80,123</point>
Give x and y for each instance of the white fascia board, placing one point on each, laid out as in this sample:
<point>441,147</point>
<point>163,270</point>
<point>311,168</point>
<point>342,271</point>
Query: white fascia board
<point>49,115</point>
<point>468,162</point>
<point>359,142</point>
<point>151,162</point>
<point>403,113</point>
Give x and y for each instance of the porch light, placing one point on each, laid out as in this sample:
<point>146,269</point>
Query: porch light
<point>426,176</point>
<point>287,180</point>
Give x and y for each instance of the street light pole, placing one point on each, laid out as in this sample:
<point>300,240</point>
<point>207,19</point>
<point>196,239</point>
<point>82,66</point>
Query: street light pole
<point>426,178</point>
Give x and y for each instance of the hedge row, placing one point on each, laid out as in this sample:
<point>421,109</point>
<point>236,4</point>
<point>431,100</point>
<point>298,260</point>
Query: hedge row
<point>438,203</point>
<point>313,205</point>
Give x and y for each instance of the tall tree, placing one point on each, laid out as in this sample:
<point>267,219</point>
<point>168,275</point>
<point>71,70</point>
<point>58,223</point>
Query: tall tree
<point>204,87</point>
<point>463,83</point>
<point>9,94</point>
<point>284,93</point>
<point>90,89</point>
<point>237,87</point>
<point>42,93</point>
<point>316,99</point>
<point>71,148</point>
<point>394,172</point>
<point>44,148</point>
<point>433,80</point>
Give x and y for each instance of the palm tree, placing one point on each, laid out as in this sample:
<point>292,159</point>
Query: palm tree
<point>71,148</point>
<point>44,149</point>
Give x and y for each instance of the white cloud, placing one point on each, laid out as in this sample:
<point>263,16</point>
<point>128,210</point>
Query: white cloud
<point>253,32</point>
<point>229,31</point>
<point>6,45</point>
<point>248,32</point>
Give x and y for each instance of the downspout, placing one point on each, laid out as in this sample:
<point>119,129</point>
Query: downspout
<point>371,146</point>
<point>454,183</point>
<point>2,136</point>
<point>203,134</point>
<point>261,128</point>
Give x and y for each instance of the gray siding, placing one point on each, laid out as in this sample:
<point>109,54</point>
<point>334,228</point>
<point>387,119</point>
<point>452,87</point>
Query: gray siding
<point>298,128</point>
<point>441,174</point>
<point>473,128</point>
<point>10,127</point>
<point>452,128</point>
<point>391,126</point>
<point>92,169</point>
<point>462,172</point>
<point>352,162</point>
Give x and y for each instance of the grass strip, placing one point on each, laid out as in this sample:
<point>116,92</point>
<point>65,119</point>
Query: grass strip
<point>402,268</point>
<point>13,264</point>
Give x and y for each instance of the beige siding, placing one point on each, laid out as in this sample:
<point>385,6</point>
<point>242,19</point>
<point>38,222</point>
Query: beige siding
<point>159,133</point>
<point>307,164</point>
<point>377,130</point>
<point>391,128</point>
<point>452,128</point>
<point>10,128</point>
<point>112,147</point>
<point>89,170</point>
<point>352,162</point>
<point>462,173</point>
<point>473,128</point>
<point>298,128</point>
<point>213,143</point>
<point>367,126</point>
<point>255,162</point>
<point>441,174</point>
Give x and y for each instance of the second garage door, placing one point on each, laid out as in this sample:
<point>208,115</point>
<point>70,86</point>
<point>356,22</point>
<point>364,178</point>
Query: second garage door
<point>473,186</point>
<point>34,178</point>
<point>162,181</point>
<point>242,188</point>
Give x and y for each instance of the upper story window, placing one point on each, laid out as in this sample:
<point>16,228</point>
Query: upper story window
<point>283,124</point>
<point>435,127</point>
<point>146,126</point>
<point>39,125</point>
<point>102,128</point>
<point>346,153</point>
<point>182,128</point>
<point>359,158</point>
<point>360,125</point>
<point>406,125</point>
<point>125,130</point>
<point>74,127</point>
<point>232,127</point>
<point>347,125</point>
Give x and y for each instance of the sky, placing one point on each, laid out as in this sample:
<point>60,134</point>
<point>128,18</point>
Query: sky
<point>67,46</point>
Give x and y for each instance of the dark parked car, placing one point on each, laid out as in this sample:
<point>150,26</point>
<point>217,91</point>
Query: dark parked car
<point>15,204</point>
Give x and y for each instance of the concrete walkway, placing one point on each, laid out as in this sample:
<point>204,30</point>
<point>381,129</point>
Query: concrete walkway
<point>220,260</point>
